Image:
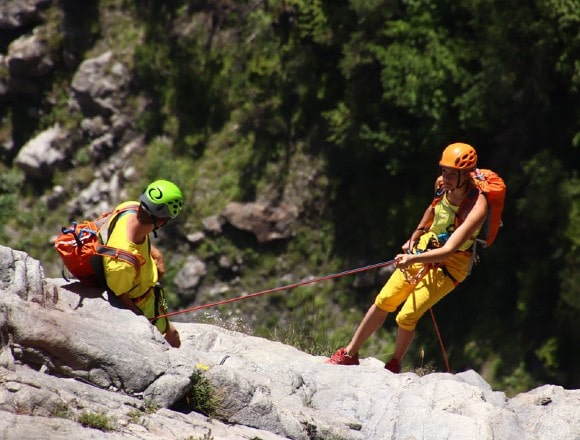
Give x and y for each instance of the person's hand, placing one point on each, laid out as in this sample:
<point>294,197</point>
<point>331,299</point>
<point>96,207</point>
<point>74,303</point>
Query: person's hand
<point>403,261</point>
<point>172,336</point>
<point>407,246</point>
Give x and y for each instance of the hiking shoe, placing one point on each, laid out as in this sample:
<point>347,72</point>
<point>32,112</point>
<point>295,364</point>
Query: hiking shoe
<point>393,366</point>
<point>341,357</point>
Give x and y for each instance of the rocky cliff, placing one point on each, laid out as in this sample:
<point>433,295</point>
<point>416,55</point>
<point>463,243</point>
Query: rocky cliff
<point>69,357</point>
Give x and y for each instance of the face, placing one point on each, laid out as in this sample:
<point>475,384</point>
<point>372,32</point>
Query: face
<point>160,222</point>
<point>452,178</point>
<point>144,217</point>
<point>147,219</point>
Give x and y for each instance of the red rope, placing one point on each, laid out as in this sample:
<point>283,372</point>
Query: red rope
<point>303,283</point>
<point>277,289</point>
<point>443,352</point>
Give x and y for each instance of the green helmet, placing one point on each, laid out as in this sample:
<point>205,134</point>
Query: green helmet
<point>162,199</point>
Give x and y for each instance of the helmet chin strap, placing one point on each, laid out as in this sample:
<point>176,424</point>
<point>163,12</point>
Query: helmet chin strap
<point>158,223</point>
<point>155,226</point>
<point>459,179</point>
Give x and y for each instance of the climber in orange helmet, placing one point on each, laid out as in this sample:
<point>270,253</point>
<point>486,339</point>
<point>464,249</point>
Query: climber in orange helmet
<point>422,278</point>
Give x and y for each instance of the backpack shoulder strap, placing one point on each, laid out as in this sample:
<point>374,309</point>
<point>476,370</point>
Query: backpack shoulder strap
<point>438,194</point>
<point>106,229</point>
<point>467,204</point>
<point>120,254</point>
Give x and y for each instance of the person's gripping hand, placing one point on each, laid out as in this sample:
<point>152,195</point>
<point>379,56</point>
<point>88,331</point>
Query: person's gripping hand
<point>403,261</point>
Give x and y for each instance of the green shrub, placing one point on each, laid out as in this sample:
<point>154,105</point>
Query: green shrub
<point>202,397</point>
<point>135,416</point>
<point>96,420</point>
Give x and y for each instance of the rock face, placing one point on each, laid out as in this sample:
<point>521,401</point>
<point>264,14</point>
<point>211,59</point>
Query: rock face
<point>267,223</point>
<point>38,156</point>
<point>67,351</point>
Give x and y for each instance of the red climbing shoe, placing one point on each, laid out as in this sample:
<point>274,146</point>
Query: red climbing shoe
<point>393,366</point>
<point>341,357</point>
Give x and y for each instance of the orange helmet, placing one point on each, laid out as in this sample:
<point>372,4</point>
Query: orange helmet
<point>459,156</point>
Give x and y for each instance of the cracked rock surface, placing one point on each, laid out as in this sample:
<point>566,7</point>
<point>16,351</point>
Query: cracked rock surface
<point>67,352</point>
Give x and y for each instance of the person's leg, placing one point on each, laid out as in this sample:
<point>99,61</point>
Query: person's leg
<point>431,289</point>
<point>393,293</point>
<point>403,342</point>
<point>372,321</point>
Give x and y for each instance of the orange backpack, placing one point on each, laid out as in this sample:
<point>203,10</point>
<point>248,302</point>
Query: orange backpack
<point>492,186</point>
<point>82,246</point>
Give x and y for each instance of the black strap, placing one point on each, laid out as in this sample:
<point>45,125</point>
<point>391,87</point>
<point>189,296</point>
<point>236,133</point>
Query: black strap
<point>159,293</point>
<point>448,274</point>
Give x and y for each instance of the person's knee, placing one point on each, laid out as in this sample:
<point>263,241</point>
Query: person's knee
<point>378,310</point>
<point>383,305</point>
<point>407,322</point>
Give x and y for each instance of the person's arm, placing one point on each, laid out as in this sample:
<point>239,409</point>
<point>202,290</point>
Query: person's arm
<point>426,220</point>
<point>421,228</point>
<point>128,302</point>
<point>172,335</point>
<point>464,232</point>
<point>119,276</point>
<point>159,262</point>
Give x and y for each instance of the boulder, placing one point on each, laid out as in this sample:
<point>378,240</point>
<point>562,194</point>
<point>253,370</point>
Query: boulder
<point>17,14</point>
<point>41,155</point>
<point>189,276</point>
<point>67,351</point>
<point>99,86</point>
<point>266,222</point>
<point>29,56</point>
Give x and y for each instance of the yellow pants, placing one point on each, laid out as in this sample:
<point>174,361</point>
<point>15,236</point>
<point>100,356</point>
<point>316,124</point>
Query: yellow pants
<point>417,298</point>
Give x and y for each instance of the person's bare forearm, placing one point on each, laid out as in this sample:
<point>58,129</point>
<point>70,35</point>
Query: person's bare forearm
<point>421,228</point>
<point>159,262</point>
<point>128,302</point>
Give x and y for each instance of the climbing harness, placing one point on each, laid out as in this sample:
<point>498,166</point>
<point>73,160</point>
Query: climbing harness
<point>414,279</point>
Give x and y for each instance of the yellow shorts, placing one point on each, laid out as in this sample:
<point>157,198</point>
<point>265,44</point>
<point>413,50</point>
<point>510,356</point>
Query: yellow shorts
<point>420,297</point>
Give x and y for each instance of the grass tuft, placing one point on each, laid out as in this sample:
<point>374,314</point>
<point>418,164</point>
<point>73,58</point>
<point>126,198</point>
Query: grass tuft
<point>96,420</point>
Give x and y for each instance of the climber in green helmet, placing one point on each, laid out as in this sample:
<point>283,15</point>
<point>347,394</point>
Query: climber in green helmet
<point>139,290</point>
